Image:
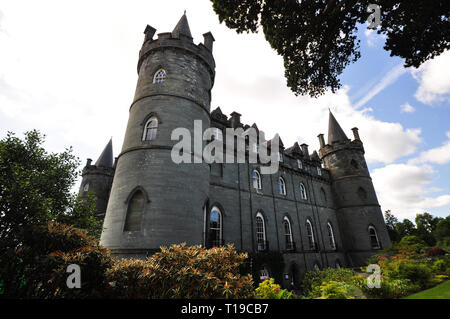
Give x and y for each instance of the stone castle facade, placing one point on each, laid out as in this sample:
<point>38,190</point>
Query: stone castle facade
<point>319,210</point>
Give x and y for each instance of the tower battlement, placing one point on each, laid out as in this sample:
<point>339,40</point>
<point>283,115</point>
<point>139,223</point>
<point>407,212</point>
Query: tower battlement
<point>179,39</point>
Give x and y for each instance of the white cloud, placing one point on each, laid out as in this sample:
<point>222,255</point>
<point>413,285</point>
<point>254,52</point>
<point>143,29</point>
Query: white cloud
<point>407,108</point>
<point>434,79</point>
<point>438,155</point>
<point>373,38</point>
<point>403,188</point>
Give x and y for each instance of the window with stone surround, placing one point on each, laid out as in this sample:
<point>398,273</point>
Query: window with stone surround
<point>160,76</point>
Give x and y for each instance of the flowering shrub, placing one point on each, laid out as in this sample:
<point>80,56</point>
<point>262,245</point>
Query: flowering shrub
<point>435,251</point>
<point>269,290</point>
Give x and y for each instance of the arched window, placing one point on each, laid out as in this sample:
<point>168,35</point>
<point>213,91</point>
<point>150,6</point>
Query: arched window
<point>256,179</point>
<point>86,187</point>
<point>160,76</point>
<point>150,129</point>
<point>288,234</point>
<point>303,192</point>
<point>135,212</point>
<point>282,186</point>
<point>215,227</point>
<point>331,236</point>
<point>261,232</point>
<point>310,234</point>
<point>299,164</point>
<point>374,242</point>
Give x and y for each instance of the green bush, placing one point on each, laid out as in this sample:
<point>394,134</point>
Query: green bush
<point>389,288</point>
<point>182,272</point>
<point>269,290</point>
<point>38,268</point>
<point>313,280</point>
<point>338,290</point>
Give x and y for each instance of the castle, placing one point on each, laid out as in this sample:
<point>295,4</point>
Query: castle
<point>319,210</point>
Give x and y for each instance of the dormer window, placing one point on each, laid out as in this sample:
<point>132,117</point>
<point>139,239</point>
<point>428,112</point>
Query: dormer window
<point>160,76</point>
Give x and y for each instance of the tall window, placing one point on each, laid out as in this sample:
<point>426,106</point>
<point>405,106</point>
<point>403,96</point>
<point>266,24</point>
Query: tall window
<point>135,212</point>
<point>288,234</point>
<point>319,171</point>
<point>299,164</point>
<point>86,187</point>
<point>150,129</point>
<point>260,232</point>
<point>282,186</point>
<point>331,236</point>
<point>160,76</point>
<point>256,179</point>
<point>217,134</point>
<point>303,191</point>
<point>323,195</point>
<point>215,227</point>
<point>310,234</point>
<point>280,157</point>
<point>374,242</point>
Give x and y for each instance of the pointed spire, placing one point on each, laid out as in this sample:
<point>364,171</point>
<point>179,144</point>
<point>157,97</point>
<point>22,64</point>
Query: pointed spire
<point>106,158</point>
<point>335,132</point>
<point>182,27</point>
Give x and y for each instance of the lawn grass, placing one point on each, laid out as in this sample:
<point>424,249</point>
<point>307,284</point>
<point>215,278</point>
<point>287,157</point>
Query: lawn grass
<point>441,291</point>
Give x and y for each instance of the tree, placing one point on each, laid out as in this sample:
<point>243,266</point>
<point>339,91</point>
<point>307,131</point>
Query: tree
<point>426,224</point>
<point>35,188</point>
<point>406,228</point>
<point>318,38</point>
<point>442,232</point>
<point>391,225</point>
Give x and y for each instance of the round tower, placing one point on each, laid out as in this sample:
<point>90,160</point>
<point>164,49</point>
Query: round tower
<point>153,200</point>
<point>97,179</point>
<point>359,214</point>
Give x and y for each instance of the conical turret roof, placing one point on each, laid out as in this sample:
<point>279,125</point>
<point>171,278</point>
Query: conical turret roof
<point>106,158</point>
<point>182,27</point>
<point>335,132</point>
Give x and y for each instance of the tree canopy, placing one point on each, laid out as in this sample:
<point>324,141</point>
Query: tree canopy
<point>318,38</point>
<point>35,188</point>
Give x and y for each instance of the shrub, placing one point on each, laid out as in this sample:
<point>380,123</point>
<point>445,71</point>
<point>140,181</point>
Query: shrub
<point>182,272</point>
<point>269,290</point>
<point>413,244</point>
<point>338,290</point>
<point>38,268</point>
<point>389,288</point>
<point>435,251</point>
<point>313,280</point>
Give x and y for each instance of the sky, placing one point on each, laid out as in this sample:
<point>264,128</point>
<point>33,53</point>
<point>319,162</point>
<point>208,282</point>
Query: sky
<point>68,69</point>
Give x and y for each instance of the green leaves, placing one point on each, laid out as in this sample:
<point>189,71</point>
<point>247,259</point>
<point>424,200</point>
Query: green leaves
<point>318,38</point>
